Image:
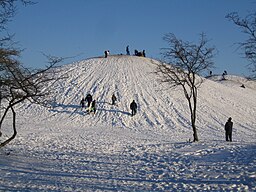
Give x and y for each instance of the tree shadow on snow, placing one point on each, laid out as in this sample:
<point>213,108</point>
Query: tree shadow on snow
<point>102,103</point>
<point>115,111</point>
<point>68,109</point>
<point>76,109</point>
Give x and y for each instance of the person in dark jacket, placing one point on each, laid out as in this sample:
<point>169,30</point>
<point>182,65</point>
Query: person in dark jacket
<point>136,52</point>
<point>127,50</point>
<point>143,53</point>
<point>228,129</point>
<point>82,102</point>
<point>88,98</point>
<point>113,99</point>
<point>133,107</point>
<point>93,107</point>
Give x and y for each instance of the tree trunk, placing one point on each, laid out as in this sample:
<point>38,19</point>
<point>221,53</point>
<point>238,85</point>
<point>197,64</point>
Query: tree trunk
<point>194,95</point>
<point>14,129</point>
<point>194,130</point>
<point>192,109</point>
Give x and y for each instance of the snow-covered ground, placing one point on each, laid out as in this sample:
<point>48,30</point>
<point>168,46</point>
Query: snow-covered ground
<point>65,149</point>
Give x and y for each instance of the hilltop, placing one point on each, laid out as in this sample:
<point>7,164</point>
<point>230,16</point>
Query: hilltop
<point>113,151</point>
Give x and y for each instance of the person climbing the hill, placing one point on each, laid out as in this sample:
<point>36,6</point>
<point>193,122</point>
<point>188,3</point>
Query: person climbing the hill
<point>228,129</point>
<point>106,54</point>
<point>88,98</point>
<point>93,107</point>
<point>113,99</point>
<point>82,102</point>
<point>133,107</point>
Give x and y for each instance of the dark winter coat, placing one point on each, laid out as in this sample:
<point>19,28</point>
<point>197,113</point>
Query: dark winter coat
<point>93,105</point>
<point>229,126</point>
<point>133,105</point>
<point>82,102</point>
<point>88,98</point>
<point>113,98</point>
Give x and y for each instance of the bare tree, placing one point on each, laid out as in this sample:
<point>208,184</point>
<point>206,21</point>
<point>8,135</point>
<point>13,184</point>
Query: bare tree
<point>182,65</point>
<point>248,26</point>
<point>17,83</point>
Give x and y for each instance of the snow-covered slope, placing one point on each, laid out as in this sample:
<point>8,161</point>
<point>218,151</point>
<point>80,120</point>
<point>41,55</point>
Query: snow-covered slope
<point>155,139</point>
<point>159,108</point>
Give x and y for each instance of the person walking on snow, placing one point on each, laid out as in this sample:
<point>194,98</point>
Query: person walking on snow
<point>82,102</point>
<point>93,107</point>
<point>228,129</point>
<point>133,107</point>
<point>113,99</point>
<point>88,98</point>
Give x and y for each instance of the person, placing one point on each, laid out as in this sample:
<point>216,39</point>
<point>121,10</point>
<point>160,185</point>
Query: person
<point>133,107</point>
<point>113,99</point>
<point>228,129</point>
<point>106,54</point>
<point>223,76</point>
<point>127,50</point>
<point>88,98</point>
<point>93,107</point>
<point>136,52</point>
<point>82,102</point>
<point>143,53</point>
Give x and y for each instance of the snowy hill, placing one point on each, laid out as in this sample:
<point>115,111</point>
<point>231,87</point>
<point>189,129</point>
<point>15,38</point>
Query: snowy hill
<point>113,151</point>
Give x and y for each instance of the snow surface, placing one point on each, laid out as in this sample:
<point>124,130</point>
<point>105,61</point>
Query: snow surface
<point>65,149</point>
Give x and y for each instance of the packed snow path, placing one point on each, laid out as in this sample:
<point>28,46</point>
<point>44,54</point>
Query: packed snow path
<point>65,149</point>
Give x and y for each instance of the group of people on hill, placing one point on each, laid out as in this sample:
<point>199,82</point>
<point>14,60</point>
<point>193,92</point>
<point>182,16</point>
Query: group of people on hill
<point>91,104</point>
<point>136,52</point>
<point>133,105</point>
<point>91,107</point>
<point>140,53</point>
<point>223,74</point>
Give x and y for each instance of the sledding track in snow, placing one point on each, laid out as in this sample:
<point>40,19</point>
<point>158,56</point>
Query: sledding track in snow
<point>159,108</point>
<point>129,77</point>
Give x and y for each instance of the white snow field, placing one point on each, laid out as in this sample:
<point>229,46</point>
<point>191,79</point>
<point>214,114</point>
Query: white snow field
<point>65,149</point>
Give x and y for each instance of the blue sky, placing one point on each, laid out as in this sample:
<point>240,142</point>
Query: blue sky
<point>85,28</point>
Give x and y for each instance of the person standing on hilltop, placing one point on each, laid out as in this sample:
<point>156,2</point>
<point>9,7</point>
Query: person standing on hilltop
<point>127,50</point>
<point>143,53</point>
<point>228,129</point>
<point>133,107</point>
